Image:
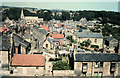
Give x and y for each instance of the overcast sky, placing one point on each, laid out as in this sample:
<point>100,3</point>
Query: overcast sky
<point>108,5</point>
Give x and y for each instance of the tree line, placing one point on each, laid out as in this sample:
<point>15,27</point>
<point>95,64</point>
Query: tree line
<point>103,16</point>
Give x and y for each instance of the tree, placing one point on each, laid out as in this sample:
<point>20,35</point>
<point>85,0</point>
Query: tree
<point>45,14</point>
<point>61,65</point>
<point>71,39</point>
<point>86,43</point>
<point>65,15</point>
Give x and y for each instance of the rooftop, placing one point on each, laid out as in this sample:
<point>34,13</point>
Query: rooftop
<point>27,60</point>
<point>57,36</point>
<point>45,28</point>
<point>101,57</point>
<point>88,35</point>
<point>3,28</point>
<point>110,38</point>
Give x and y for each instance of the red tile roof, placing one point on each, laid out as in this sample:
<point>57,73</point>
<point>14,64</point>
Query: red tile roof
<point>27,60</point>
<point>68,26</point>
<point>4,28</point>
<point>59,24</point>
<point>45,28</point>
<point>57,36</point>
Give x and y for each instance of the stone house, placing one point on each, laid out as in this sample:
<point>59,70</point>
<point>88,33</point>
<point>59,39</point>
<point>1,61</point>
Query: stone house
<point>20,45</point>
<point>4,51</point>
<point>27,65</point>
<point>38,36</point>
<point>11,45</point>
<point>48,44</point>
<point>70,28</point>
<point>111,42</point>
<point>63,41</point>
<point>101,64</point>
<point>95,38</point>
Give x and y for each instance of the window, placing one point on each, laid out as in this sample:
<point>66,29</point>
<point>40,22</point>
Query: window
<point>113,65</point>
<point>84,66</point>
<point>96,64</point>
<point>46,45</point>
<point>95,40</point>
<point>37,69</point>
<point>98,75</point>
<point>101,64</point>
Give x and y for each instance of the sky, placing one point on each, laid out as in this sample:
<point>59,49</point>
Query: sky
<point>108,5</point>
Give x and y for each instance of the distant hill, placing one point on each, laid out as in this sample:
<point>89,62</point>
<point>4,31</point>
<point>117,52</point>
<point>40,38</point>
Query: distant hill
<point>17,7</point>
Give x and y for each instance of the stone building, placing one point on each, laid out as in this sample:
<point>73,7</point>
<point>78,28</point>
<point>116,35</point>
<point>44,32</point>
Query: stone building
<point>4,51</point>
<point>48,44</point>
<point>95,38</point>
<point>111,42</point>
<point>38,36</point>
<point>27,65</point>
<point>20,45</point>
<point>97,64</point>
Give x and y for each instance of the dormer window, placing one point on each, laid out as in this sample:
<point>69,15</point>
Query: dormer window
<point>95,40</point>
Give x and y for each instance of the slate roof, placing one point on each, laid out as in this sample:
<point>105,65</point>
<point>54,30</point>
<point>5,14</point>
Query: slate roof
<point>51,42</point>
<point>110,38</point>
<point>27,36</point>
<point>56,40</point>
<point>88,35</point>
<point>39,33</point>
<point>4,43</point>
<point>41,30</point>
<point>21,41</point>
<point>27,60</point>
<point>97,57</point>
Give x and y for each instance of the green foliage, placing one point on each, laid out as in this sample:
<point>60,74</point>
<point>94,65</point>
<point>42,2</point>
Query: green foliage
<point>71,39</point>
<point>65,15</point>
<point>45,14</point>
<point>103,16</point>
<point>61,65</point>
<point>95,30</point>
<point>108,30</point>
<point>56,59</point>
<point>94,46</point>
<point>86,43</point>
<point>14,13</point>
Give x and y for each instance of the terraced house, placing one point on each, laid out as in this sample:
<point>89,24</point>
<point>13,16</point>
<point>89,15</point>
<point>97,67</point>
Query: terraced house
<point>95,38</point>
<point>97,64</point>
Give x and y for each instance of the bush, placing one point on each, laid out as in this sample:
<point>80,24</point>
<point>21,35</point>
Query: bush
<point>94,46</point>
<point>56,59</point>
<point>61,65</point>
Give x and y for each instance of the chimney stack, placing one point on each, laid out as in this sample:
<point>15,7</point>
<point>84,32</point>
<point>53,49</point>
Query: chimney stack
<point>104,48</point>
<point>119,47</point>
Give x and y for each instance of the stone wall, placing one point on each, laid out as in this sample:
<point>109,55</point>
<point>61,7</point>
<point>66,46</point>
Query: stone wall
<point>4,58</point>
<point>63,73</point>
<point>28,71</point>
